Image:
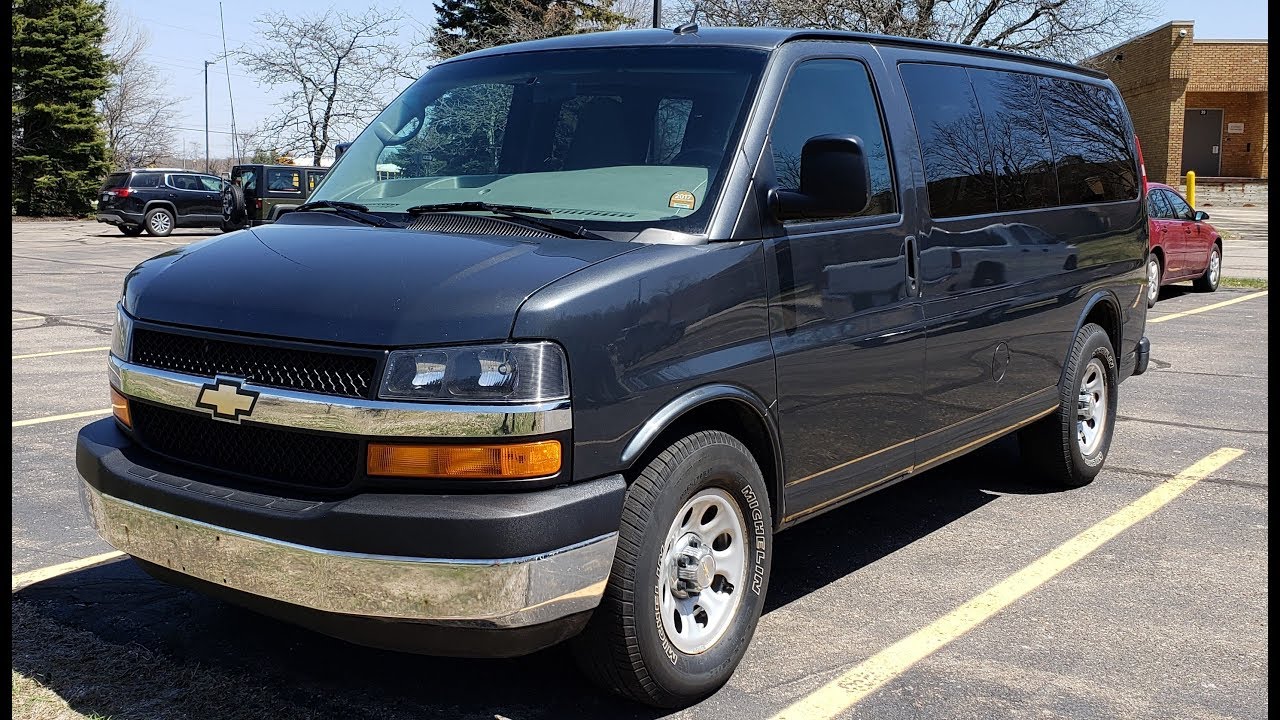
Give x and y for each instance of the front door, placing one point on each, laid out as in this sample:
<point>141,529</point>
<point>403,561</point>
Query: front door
<point>844,320</point>
<point>1202,142</point>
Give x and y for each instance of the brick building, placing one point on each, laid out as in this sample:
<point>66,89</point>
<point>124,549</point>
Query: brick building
<point>1196,104</point>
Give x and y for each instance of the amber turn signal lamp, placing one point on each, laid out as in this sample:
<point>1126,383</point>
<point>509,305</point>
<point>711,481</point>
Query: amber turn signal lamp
<point>120,408</point>
<point>494,462</point>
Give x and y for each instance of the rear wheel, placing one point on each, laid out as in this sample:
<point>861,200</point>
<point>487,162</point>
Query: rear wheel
<point>1069,447</point>
<point>1208,282</point>
<point>689,576</point>
<point>159,222</point>
<point>130,230</point>
<point>1153,279</point>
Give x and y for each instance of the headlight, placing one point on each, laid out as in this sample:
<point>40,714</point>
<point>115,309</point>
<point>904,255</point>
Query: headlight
<point>507,373</point>
<point>121,334</point>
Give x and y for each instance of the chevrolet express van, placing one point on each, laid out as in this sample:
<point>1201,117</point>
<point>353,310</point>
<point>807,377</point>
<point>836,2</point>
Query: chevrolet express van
<point>576,326</point>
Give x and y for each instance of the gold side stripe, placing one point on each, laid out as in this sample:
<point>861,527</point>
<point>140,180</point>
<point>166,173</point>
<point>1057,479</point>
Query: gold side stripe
<point>911,469</point>
<point>979,416</point>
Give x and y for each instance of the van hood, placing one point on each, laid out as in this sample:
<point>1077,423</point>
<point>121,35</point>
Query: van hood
<point>355,285</point>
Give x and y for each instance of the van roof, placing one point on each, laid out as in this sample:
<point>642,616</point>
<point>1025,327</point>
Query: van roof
<point>762,39</point>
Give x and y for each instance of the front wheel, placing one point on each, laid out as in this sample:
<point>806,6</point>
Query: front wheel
<point>1208,282</point>
<point>689,576</point>
<point>1068,448</point>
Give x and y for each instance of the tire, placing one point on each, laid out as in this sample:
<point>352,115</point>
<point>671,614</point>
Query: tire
<point>1059,449</point>
<point>234,207</point>
<point>229,227</point>
<point>1155,272</point>
<point>130,230</point>
<point>158,222</point>
<point>1208,282</point>
<point>629,646</point>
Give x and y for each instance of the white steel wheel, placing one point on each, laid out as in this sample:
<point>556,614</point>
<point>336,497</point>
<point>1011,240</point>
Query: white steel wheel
<point>1092,411</point>
<point>702,572</point>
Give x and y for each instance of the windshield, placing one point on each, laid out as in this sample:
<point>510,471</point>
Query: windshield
<point>616,139</point>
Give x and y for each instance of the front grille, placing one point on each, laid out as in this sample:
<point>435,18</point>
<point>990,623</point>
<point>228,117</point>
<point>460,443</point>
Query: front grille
<point>289,368</point>
<point>283,456</point>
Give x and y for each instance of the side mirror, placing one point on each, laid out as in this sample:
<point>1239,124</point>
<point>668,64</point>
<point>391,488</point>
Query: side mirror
<point>339,149</point>
<point>835,181</point>
<point>1200,215</point>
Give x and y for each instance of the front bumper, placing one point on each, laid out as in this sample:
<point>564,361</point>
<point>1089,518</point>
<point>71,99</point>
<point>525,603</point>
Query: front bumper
<point>561,542</point>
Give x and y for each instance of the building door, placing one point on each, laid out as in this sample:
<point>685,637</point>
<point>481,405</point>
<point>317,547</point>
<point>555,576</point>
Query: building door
<point>1202,142</point>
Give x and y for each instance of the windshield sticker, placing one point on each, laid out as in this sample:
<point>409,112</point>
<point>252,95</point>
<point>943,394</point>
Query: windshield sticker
<point>681,199</point>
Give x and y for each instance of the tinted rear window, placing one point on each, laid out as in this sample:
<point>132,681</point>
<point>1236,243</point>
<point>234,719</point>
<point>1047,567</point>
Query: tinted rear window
<point>1091,142</point>
<point>115,180</point>
<point>1019,140</point>
<point>953,140</point>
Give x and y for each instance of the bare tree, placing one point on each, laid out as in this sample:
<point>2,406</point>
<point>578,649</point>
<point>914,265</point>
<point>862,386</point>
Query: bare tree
<point>137,112</point>
<point>1063,29</point>
<point>336,70</point>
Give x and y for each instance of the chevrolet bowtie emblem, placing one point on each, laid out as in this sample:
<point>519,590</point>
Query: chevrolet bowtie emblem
<point>227,399</point>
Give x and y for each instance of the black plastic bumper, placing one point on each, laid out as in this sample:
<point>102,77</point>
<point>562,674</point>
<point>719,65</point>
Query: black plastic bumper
<point>119,217</point>
<point>1144,356</point>
<point>463,526</point>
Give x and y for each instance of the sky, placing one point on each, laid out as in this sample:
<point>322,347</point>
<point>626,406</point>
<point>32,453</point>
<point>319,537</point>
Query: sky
<point>185,34</point>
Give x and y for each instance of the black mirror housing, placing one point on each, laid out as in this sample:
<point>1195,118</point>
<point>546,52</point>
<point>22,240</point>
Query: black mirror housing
<point>835,181</point>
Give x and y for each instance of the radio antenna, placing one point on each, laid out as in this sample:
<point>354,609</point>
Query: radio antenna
<point>226,64</point>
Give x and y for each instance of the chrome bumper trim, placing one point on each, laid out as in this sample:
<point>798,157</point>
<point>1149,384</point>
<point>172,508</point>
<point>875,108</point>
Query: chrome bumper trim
<point>502,593</point>
<point>352,416</point>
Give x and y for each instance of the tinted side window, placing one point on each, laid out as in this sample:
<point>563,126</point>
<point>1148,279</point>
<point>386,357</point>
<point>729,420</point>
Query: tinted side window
<point>184,182</point>
<point>1181,210</point>
<point>210,183</point>
<point>1021,156</point>
<point>832,97</point>
<point>146,180</point>
<point>953,140</point>
<point>313,179</point>
<point>280,180</point>
<point>1091,142</point>
<point>1157,207</point>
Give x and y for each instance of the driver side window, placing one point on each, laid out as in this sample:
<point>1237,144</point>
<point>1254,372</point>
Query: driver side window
<point>826,97</point>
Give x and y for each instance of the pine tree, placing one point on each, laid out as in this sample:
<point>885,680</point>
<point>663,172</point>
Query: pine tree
<point>466,25</point>
<point>59,73</point>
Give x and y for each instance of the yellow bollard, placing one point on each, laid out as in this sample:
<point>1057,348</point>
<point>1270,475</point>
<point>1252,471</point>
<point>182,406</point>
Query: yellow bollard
<point>1191,189</point>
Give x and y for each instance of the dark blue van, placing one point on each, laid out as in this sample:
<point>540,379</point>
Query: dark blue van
<point>576,326</point>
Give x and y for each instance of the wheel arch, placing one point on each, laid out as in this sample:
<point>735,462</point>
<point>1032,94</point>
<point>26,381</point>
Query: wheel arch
<point>728,408</point>
<point>165,204</point>
<point>1102,308</point>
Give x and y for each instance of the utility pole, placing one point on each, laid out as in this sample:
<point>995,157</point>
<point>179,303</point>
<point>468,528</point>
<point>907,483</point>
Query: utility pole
<point>657,13</point>
<point>207,63</point>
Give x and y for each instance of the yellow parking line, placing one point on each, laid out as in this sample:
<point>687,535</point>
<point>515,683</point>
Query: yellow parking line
<point>1207,308</point>
<point>22,580</point>
<point>56,418</point>
<point>852,686</point>
<point>59,352</point>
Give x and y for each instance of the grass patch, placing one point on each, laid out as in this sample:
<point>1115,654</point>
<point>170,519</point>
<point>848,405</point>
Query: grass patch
<point>1243,283</point>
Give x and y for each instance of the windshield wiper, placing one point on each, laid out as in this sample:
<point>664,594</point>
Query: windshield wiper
<point>350,210</point>
<point>516,212</point>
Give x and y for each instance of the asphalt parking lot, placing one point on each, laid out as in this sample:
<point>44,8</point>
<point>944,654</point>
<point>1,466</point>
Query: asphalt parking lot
<point>967,592</point>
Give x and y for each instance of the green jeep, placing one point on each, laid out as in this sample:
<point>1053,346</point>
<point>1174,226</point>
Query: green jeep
<point>258,194</point>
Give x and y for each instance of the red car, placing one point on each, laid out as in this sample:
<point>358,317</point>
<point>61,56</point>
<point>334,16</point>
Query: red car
<point>1183,245</point>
